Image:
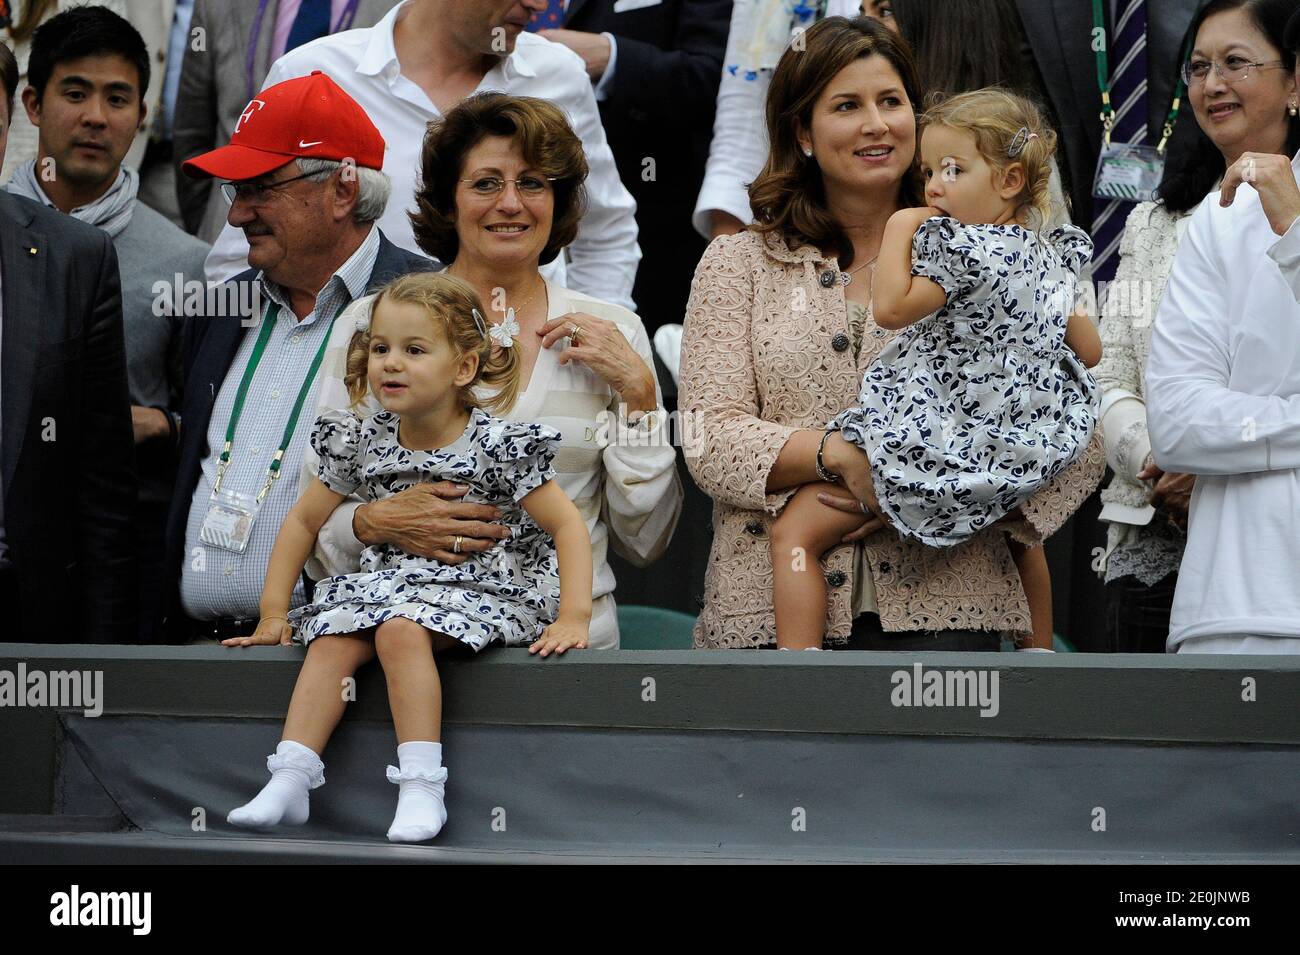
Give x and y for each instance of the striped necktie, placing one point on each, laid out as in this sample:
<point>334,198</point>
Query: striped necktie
<point>1128,97</point>
<point>552,18</point>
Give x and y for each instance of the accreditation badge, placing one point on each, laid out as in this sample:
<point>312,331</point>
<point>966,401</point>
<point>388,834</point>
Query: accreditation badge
<point>228,524</point>
<point>1129,172</point>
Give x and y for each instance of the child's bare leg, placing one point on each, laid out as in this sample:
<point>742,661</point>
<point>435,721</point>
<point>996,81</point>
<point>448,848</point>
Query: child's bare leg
<point>314,711</point>
<point>414,690</point>
<point>318,699</point>
<point>1036,579</point>
<point>415,697</point>
<point>805,530</point>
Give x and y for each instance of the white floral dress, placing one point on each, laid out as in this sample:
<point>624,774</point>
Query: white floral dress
<point>508,593</point>
<point>970,411</point>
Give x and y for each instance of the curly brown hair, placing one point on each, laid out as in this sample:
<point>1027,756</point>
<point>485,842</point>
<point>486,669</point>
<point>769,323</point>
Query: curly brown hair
<point>547,142</point>
<point>788,197</point>
<point>451,303</point>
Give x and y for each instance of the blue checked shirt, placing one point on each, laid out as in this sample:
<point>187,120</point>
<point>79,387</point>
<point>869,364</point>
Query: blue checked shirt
<point>220,583</point>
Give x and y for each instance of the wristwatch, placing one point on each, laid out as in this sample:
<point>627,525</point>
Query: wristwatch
<point>642,420</point>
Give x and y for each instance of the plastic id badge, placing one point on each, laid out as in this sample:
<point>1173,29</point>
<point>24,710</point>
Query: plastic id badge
<point>229,521</point>
<point>1129,172</point>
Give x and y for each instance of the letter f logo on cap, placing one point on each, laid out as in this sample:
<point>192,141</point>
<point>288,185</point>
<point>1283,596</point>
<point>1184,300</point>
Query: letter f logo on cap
<point>252,107</point>
<point>298,113</point>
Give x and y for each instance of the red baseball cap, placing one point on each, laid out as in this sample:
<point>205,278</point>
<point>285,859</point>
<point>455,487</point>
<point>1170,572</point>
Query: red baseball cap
<point>309,117</point>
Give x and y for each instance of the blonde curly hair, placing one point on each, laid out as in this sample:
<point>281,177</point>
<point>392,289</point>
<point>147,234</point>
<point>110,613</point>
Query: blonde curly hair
<point>1009,130</point>
<point>451,302</point>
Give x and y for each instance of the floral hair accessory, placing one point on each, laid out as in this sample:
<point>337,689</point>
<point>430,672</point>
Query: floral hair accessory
<point>1020,141</point>
<point>504,333</point>
<point>362,322</point>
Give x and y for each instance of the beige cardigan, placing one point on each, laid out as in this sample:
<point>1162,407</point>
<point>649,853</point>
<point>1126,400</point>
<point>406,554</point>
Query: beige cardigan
<point>759,362</point>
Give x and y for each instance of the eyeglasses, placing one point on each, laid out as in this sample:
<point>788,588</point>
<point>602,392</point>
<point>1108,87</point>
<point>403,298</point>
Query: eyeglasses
<point>1235,70</point>
<point>489,186</point>
<point>257,192</point>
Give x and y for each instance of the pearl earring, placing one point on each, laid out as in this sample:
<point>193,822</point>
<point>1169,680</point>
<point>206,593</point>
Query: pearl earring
<point>1293,110</point>
<point>807,151</point>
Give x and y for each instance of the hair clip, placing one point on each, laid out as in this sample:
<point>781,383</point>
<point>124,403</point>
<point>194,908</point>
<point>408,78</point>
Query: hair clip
<point>480,323</point>
<point>1020,141</point>
<point>504,333</point>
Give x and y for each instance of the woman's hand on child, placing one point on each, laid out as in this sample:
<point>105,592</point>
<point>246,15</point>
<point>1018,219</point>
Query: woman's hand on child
<point>426,520</point>
<point>853,466</point>
<point>271,631</point>
<point>560,636</point>
<point>851,505</point>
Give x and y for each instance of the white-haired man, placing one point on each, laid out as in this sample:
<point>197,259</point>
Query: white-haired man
<point>303,173</point>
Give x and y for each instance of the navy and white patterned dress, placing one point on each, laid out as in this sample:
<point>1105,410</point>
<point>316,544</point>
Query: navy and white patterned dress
<point>970,411</point>
<point>509,593</point>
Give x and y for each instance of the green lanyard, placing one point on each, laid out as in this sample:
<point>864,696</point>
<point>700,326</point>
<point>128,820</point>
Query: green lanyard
<point>273,472</point>
<point>1103,83</point>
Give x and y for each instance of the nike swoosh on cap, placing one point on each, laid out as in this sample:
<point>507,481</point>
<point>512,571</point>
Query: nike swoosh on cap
<point>302,145</point>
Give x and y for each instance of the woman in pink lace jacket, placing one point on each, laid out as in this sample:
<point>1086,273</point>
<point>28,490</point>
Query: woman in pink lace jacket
<point>778,335</point>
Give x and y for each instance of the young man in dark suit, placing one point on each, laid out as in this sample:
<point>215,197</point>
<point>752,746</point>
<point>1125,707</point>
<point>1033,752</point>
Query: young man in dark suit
<point>67,482</point>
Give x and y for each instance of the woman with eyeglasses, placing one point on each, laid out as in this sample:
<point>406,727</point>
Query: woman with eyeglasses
<point>501,194</point>
<point>1223,378</point>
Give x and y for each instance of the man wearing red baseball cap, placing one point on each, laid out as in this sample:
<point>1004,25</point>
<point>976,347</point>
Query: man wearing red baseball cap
<point>426,56</point>
<point>302,171</point>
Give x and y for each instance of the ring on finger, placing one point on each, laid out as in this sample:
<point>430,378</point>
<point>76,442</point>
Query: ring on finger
<point>574,332</point>
<point>455,546</point>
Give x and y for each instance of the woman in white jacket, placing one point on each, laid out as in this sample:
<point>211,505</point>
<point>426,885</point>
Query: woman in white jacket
<point>1223,379</point>
<point>1144,507</point>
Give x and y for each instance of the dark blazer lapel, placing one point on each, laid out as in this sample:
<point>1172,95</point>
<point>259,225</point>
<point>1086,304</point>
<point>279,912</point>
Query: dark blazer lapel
<point>574,7</point>
<point>391,262</point>
<point>1167,23</point>
<point>1078,62</point>
<point>23,282</point>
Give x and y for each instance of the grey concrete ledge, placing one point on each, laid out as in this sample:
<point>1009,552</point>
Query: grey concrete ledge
<point>1200,699</point>
<point>140,848</point>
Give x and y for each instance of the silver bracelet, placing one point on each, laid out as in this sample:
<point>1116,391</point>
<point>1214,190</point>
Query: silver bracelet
<point>821,464</point>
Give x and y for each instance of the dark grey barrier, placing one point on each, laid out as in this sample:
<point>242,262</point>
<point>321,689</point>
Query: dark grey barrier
<point>678,755</point>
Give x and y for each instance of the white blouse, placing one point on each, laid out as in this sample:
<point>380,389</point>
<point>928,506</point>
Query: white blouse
<point>623,480</point>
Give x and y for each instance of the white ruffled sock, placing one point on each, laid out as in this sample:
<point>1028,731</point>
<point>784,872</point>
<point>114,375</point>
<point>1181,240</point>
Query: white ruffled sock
<point>421,811</point>
<point>295,770</point>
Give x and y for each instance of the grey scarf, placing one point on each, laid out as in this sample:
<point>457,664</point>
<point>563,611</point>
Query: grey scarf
<point>110,212</point>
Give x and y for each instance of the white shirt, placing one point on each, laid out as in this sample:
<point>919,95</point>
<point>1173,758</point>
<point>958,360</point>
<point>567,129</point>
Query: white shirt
<point>602,259</point>
<point>1223,403</point>
<point>739,147</point>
